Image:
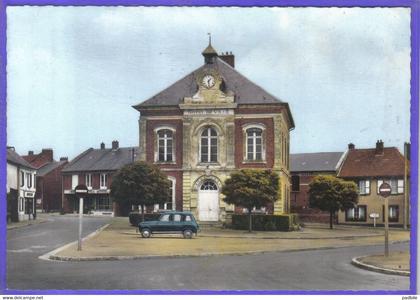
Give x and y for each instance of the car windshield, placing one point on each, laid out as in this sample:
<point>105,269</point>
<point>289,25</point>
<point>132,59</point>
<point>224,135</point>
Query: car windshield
<point>164,218</point>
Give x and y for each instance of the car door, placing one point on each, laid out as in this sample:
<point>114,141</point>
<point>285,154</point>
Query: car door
<point>164,223</point>
<point>177,223</point>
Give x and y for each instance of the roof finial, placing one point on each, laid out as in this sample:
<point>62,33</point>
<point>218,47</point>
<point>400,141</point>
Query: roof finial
<point>209,38</point>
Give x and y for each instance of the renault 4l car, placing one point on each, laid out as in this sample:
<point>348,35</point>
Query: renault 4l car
<point>171,222</point>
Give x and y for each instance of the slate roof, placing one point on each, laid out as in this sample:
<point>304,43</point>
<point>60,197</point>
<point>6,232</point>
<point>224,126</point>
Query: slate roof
<point>101,160</point>
<point>246,92</point>
<point>366,163</point>
<point>313,162</point>
<point>16,159</point>
<point>47,168</point>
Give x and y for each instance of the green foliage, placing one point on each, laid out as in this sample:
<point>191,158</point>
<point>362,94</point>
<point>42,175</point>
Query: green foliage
<point>140,183</point>
<point>135,218</point>
<point>251,187</point>
<point>330,193</point>
<point>266,222</point>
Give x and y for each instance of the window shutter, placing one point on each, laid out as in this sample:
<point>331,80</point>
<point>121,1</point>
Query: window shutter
<point>379,184</point>
<point>400,186</point>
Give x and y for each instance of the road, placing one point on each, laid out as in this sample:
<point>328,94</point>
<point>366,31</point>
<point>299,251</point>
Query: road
<point>303,270</point>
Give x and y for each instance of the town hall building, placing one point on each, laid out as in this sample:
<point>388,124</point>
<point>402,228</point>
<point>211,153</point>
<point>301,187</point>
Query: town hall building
<point>208,124</point>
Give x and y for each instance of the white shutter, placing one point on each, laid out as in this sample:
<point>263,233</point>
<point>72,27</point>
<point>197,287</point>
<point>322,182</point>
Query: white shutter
<point>379,184</point>
<point>400,186</point>
<point>367,190</point>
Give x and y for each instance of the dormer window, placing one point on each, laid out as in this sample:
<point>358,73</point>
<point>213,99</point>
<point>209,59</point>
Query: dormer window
<point>165,145</point>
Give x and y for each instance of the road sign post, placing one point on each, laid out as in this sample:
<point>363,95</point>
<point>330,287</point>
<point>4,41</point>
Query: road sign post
<point>385,191</point>
<point>374,216</point>
<point>80,191</point>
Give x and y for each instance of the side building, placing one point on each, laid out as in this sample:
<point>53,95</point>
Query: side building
<point>95,168</point>
<point>20,187</point>
<point>369,168</point>
<point>210,123</point>
<point>49,180</point>
<point>304,167</point>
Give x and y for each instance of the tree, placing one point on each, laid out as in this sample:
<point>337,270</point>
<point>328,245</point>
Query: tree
<point>330,193</point>
<point>141,184</point>
<point>251,188</point>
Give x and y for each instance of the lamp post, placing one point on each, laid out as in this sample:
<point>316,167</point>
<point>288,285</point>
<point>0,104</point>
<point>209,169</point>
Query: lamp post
<point>80,191</point>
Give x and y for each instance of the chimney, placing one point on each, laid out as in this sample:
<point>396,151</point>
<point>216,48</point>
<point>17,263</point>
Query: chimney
<point>30,152</point>
<point>228,58</point>
<point>48,154</point>
<point>379,147</point>
<point>351,146</point>
<point>64,158</point>
<point>102,146</point>
<point>114,145</point>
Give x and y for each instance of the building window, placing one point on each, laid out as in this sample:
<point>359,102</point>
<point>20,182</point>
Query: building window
<point>393,213</point>
<point>165,145</point>
<point>29,180</point>
<point>254,149</point>
<point>364,187</point>
<point>21,204</point>
<point>22,178</point>
<point>103,180</point>
<point>88,180</point>
<point>74,181</point>
<point>103,203</point>
<point>397,185</point>
<point>295,183</point>
<point>208,147</point>
<point>170,205</point>
<point>356,214</point>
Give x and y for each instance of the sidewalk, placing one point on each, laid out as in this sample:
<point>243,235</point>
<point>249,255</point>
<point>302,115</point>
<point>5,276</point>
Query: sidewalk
<point>121,241</point>
<point>40,218</point>
<point>396,263</point>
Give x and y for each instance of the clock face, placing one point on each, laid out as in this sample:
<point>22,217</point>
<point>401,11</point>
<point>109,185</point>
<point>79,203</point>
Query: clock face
<point>208,81</point>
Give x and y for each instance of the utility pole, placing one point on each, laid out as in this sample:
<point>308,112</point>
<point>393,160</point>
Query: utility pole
<point>406,211</point>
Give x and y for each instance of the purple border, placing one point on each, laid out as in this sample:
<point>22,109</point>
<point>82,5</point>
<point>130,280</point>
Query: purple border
<point>415,24</point>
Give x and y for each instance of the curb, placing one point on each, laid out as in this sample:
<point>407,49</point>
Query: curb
<point>52,254</point>
<point>29,224</point>
<point>137,257</point>
<point>356,262</point>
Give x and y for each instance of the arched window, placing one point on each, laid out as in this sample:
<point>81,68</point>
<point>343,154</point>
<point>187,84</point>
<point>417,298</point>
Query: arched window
<point>208,185</point>
<point>208,145</point>
<point>165,145</point>
<point>254,149</point>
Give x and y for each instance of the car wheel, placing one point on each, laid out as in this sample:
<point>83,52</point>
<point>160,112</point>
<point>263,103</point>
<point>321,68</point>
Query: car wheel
<point>188,233</point>
<point>146,233</point>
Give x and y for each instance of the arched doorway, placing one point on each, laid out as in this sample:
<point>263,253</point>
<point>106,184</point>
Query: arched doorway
<point>208,201</point>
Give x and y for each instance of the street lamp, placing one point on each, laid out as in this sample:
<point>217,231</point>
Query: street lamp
<point>80,191</point>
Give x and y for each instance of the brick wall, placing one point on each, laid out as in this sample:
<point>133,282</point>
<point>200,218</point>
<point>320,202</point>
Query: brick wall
<point>269,142</point>
<point>151,142</point>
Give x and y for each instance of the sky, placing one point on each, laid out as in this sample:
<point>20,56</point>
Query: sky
<point>74,72</point>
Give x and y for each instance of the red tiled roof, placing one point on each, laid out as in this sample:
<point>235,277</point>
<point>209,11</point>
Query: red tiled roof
<point>366,163</point>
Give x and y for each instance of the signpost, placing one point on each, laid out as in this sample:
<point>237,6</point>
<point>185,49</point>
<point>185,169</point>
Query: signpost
<point>374,216</point>
<point>385,191</point>
<point>80,191</point>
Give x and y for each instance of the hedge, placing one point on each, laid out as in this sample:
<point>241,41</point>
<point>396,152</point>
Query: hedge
<point>135,217</point>
<point>266,222</point>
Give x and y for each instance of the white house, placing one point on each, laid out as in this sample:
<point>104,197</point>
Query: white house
<point>20,187</point>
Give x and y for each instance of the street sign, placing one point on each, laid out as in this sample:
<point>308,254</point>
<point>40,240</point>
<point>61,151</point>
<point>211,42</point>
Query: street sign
<point>374,215</point>
<point>385,190</point>
<point>81,189</point>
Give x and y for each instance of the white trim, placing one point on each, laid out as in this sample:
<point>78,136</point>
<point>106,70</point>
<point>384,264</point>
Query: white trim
<point>173,181</point>
<point>101,186</point>
<point>156,132</point>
